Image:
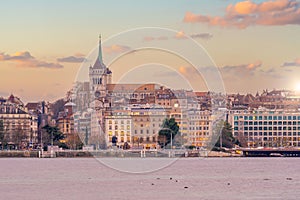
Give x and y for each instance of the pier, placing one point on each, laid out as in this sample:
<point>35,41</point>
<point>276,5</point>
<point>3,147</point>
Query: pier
<point>270,152</point>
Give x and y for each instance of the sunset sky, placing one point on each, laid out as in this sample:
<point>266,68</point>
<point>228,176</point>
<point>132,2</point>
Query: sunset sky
<point>255,44</point>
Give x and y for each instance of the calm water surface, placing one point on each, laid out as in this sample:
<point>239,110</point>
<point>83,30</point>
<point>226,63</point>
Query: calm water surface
<point>192,178</point>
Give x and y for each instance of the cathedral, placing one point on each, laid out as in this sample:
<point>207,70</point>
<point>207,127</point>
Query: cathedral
<point>100,76</point>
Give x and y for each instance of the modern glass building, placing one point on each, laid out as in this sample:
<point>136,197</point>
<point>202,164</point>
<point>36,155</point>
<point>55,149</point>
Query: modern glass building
<point>266,128</point>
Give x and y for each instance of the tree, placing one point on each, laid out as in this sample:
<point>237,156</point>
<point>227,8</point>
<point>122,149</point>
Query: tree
<point>3,136</point>
<point>57,107</point>
<point>170,127</point>
<point>53,134</point>
<point>226,139</point>
<point>73,141</point>
<point>18,136</point>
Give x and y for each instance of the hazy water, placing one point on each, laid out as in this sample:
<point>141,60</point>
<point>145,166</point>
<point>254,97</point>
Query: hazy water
<point>208,178</point>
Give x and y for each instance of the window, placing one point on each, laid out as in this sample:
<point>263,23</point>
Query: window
<point>284,117</point>
<point>154,139</point>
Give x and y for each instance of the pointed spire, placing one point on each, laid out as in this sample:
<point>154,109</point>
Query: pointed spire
<point>99,61</point>
<point>100,50</point>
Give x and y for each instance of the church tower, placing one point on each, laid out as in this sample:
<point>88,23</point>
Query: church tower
<point>99,76</point>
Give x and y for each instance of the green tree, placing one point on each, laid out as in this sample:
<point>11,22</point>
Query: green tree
<point>53,134</point>
<point>169,127</point>
<point>226,139</point>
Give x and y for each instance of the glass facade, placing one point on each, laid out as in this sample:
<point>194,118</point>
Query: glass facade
<point>267,129</point>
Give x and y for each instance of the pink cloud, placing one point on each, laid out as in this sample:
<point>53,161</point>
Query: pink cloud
<point>25,59</point>
<point>295,63</point>
<point>150,38</point>
<point>247,13</point>
<point>77,58</point>
<point>180,35</point>
<point>241,69</point>
<point>116,49</point>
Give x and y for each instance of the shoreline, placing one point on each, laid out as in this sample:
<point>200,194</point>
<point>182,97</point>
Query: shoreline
<point>113,154</point>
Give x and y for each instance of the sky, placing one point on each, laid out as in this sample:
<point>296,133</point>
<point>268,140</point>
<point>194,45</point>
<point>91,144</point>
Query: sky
<point>254,45</point>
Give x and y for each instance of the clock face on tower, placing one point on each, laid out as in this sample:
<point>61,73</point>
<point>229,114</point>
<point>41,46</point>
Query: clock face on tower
<point>97,94</point>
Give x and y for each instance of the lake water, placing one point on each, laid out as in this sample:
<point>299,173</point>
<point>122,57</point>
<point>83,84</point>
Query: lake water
<point>186,178</point>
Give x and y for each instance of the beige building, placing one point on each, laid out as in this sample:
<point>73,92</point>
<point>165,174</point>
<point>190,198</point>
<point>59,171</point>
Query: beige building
<point>65,120</point>
<point>20,126</point>
<point>147,121</point>
<point>199,128</point>
<point>119,124</point>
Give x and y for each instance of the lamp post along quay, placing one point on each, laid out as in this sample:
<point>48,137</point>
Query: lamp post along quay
<point>171,142</point>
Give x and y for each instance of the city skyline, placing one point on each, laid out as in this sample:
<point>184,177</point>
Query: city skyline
<point>42,51</point>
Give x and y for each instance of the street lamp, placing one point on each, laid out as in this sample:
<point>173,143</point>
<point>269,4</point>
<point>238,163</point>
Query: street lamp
<point>171,135</point>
